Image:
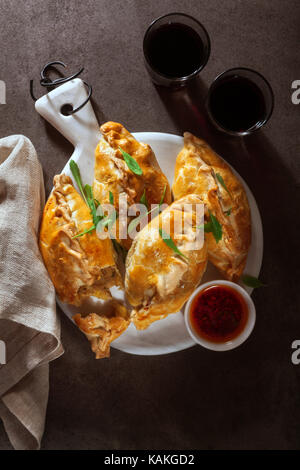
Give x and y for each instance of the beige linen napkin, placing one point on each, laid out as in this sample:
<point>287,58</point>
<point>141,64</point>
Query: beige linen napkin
<point>28,323</point>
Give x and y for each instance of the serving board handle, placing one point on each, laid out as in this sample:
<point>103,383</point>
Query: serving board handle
<point>80,128</point>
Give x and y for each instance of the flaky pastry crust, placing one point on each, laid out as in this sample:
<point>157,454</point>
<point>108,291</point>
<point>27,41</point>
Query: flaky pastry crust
<point>195,172</point>
<point>113,175</point>
<point>158,281</point>
<point>102,329</point>
<point>78,267</point>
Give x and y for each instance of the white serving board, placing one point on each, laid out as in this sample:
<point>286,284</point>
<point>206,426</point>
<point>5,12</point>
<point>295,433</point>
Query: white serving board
<point>82,130</point>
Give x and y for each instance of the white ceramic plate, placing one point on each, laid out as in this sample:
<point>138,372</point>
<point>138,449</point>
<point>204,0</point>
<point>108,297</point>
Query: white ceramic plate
<point>82,130</point>
<point>170,335</point>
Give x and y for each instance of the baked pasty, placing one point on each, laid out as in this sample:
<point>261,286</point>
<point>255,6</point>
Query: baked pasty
<point>113,175</point>
<point>199,170</point>
<point>158,281</point>
<point>103,328</point>
<point>78,267</point>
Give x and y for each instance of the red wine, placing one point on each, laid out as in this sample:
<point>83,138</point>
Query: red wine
<point>237,104</point>
<point>174,50</point>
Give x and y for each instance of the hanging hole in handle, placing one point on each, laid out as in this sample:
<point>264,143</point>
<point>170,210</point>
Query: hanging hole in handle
<point>66,109</point>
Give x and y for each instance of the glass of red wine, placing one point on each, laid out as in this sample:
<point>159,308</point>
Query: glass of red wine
<point>176,48</point>
<point>240,101</point>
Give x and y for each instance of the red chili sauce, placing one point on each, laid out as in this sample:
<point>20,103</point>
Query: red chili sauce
<point>219,314</point>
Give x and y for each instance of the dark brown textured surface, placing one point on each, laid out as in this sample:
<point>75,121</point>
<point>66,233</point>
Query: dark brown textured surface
<point>242,399</point>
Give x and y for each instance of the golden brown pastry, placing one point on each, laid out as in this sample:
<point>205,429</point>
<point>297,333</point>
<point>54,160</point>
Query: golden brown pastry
<point>78,267</point>
<point>102,329</point>
<point>199,170</point>
<point>158,281</point>
<point>113,175</point>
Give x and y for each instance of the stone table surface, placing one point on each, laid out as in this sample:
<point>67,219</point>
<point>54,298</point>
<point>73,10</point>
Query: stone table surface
<point>248,398</point>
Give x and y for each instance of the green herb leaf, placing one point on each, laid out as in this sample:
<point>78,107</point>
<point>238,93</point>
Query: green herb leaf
<point>91,203</point>
<point>85,231</point>
<point>216,227</point>
<point>77,177</point>
<point>97,202</point>
<point>111,198</point>
<point>213,226</point>
<point>163,196</point>
<point>207,227</point>
<point>252,281</point>
<point>228,212</point>
<point>222,183</point>
<point>143,199</point>
<point>107,221</point>
<point>131,163</point>
<point>170,242</point>
<point>89,194</point>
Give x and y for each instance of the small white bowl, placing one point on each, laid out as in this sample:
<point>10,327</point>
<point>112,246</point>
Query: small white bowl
<point>245,333</point>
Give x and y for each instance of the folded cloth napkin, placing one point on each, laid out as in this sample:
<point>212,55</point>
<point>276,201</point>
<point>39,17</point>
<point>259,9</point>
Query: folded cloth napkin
<point>29,327</point>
